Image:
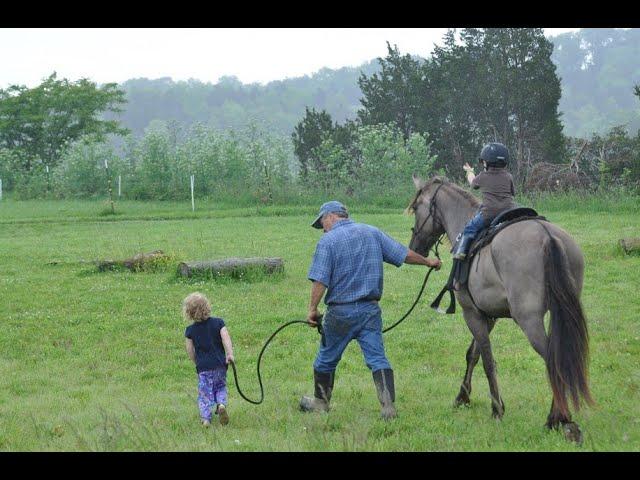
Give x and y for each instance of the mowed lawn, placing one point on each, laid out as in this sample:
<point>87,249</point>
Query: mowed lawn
<point>96,361</point>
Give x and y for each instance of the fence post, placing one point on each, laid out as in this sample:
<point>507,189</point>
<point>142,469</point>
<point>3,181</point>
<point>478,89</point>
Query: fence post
<point>0,189</point>
<point>106,168</point>
<point>119,182</point>
<point>193,205</point>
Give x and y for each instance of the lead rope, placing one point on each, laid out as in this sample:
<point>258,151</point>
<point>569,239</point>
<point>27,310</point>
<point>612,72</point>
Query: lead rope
<point>319,327</point>
<point>424,284</point>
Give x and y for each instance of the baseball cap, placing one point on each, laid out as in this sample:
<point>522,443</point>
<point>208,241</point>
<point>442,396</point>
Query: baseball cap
<point>329,207</point>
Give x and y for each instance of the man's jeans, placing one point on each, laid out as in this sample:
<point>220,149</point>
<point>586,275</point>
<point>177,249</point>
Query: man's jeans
<point>361,321</point>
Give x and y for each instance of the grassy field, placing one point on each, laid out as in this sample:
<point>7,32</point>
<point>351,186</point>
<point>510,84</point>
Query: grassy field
<point>96,361</point>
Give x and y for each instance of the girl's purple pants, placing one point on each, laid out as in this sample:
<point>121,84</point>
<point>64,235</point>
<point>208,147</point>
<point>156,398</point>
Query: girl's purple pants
<point>212,390</point>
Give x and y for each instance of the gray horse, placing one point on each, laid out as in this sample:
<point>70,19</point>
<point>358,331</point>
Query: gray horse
<point>529,268</point>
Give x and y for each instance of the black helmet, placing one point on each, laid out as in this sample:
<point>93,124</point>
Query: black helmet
<point>495,154</point>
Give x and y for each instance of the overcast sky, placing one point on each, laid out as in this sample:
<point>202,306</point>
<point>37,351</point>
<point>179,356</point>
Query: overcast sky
<point>27,56</point>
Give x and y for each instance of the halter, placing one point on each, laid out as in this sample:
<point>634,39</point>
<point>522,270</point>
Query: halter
<point>432,212</point>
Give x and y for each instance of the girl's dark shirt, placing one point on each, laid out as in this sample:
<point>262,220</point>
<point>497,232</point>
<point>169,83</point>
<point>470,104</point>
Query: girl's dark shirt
<point>208,343</point>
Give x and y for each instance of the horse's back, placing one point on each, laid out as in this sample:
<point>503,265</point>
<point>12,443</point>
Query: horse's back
<point>523,246</point>
<point>510,272</point>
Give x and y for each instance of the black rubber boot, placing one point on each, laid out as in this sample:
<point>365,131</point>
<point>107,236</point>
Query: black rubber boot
<point>462,247</point>
<point>322,393</point>
<point>386,392</point>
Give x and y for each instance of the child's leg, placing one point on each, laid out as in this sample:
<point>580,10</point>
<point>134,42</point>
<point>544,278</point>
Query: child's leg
<point>219,384</point>
<point>206,396</point>
<point>220,392</point>
<point>474,225</point>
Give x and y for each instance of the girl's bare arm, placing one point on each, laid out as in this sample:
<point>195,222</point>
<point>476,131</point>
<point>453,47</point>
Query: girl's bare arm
<point>226,342</point>
<point>191,351</point>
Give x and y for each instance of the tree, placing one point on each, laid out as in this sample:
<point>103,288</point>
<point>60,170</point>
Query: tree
<point>310,133</point>
<point>41,122</point>
<point>392,95</point>
<point>524,92</point>
<point>495,84</point>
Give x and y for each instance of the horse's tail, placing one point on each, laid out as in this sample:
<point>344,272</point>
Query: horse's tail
<point>568,352</point>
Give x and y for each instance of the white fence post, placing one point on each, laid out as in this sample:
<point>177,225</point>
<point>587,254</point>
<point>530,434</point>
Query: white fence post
<point>193,205</point>
<point>0,189</point>
<point>119,182</point>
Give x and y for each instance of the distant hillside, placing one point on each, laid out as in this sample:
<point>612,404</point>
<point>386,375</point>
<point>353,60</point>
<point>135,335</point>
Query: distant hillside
<point>597,67</point>
<point>231,104</point>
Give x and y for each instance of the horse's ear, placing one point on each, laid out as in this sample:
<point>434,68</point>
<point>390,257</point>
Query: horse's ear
<point>419,183</point>
<point>437,179</point>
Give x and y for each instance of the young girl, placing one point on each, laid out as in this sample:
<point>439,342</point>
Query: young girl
<point>496,185</point>
<point>209,347</point>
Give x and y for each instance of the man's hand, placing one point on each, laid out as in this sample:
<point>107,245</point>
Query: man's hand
<point>434,262</point>
<point>312,318</point>
<point>230,359</point>
<point>467,168</point>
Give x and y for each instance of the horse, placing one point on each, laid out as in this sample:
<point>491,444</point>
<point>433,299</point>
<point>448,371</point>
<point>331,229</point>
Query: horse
<point>529,268</point>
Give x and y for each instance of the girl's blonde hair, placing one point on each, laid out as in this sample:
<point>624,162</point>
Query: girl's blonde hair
<point>196,307</point>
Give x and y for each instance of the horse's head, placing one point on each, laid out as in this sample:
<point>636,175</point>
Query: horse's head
<point>428,225</point>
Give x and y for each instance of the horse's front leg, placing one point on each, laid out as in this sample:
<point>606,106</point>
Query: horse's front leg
<point>479,326</point>
<point>473,355</point>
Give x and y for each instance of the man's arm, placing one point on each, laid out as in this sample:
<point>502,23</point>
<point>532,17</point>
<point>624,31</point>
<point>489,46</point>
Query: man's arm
<point>415,258</point>
<point>317,291</point>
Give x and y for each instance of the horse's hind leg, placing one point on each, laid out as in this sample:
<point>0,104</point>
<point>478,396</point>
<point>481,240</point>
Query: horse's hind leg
<point>479,326</point>
<point>473,355</point>
<point>533,327</point>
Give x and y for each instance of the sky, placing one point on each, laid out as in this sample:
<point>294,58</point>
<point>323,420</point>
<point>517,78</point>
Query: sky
<point>253,55</point>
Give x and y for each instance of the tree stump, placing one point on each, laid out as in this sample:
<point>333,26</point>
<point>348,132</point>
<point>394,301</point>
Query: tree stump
<point>135,263</point>
<point>231,266</point>
<point>630,245</point>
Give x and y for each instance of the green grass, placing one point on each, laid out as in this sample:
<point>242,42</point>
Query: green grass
<point>96,361</point>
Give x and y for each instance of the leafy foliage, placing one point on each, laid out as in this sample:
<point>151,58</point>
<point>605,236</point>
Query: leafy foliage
<point>39,123</point>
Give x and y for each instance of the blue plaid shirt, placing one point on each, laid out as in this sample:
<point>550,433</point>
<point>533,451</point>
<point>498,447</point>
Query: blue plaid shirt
<point>348,261</point>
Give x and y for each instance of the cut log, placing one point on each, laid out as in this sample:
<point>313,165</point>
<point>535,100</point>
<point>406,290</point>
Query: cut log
<point>135,263</point>
<point>231,266</point>
<point>630,245</point>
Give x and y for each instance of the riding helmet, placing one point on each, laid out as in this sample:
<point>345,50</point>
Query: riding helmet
<point>495,154</point>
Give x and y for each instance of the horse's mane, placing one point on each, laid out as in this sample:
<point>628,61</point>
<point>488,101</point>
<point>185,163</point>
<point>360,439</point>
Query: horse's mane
<point>447,184</point>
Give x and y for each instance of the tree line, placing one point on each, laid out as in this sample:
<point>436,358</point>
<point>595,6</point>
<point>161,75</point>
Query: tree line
<point>416,116</point>
<point>481,85</point>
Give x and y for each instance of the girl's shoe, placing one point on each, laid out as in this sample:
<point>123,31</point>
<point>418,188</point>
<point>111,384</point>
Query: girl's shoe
<point>222,413</point>
<point>206,423</point>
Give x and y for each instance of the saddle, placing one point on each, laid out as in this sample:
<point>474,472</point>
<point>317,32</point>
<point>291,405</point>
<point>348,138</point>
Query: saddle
<point>460,269</point>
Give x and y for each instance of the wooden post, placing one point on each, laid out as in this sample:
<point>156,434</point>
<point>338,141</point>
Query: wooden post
<point>231,266</point>
<point>266,175</point>
<point>193,205</point>
<point>0,189</point>
<point>106,167</point>
<point>119,183</point>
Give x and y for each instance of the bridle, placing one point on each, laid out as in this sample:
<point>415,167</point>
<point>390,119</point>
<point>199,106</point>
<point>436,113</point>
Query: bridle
<point>432,213</point>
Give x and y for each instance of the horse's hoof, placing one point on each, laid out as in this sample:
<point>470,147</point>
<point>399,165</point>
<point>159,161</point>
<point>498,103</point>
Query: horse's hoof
<point>461,401</point>
<point>497,412</point>
<point>572,432</point>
